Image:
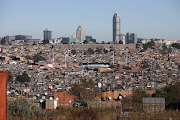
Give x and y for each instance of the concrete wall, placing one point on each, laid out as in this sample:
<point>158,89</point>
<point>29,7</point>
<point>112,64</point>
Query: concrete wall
<point>94,46</point>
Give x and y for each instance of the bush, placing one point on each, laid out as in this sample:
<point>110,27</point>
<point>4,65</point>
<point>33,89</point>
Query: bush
<point>22,108</point>
<point>23,78</point>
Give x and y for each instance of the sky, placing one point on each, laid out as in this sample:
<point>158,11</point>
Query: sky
<point>146,18</point>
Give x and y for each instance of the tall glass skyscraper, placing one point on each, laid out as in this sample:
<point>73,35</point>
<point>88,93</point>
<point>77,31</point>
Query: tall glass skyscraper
<point>47,34</point>
<point>116,28</point>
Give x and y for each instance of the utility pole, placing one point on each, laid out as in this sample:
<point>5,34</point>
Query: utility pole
<point>65,59</point>
<point>126,56</point>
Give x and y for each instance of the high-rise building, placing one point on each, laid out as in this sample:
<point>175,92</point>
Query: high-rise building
<point>47,34</point>
<point>80,35</point>
<point>72,39</point>
<point>23,37</point>
<point>123,38</point>
<point>131,38</point>
<point>116,28</point>
<point>89,39</point>
<point>64,40</point>
<point>9,38</point>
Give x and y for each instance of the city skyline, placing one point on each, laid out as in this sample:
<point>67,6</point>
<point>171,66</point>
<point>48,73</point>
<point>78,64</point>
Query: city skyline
<point>148,19</point>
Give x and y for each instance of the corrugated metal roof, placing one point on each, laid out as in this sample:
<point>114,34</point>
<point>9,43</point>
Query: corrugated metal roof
<point>150,100</point>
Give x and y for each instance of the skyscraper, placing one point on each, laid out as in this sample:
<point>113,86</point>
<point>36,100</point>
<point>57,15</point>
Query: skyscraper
<point>116,28</point>
<point>131,38</point>
<point>47,34</point>
<point>80,34</point>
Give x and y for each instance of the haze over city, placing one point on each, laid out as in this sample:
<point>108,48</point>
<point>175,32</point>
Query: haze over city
<point>148,19</point>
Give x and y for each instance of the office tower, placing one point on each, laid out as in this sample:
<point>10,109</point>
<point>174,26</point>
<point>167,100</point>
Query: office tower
<point>116,28</point>
<point>72,40</point>
<point>47,34</point>
<point>90,39</point>
<point>134,38</point>
<point>23,37</point>
<point>64,40</point>
<point>131,38</point>
<point>80,35</point>
<point>123,38</point>
<point>9,38</point>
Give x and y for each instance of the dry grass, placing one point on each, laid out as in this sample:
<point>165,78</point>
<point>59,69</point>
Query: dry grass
<point>100,114</point>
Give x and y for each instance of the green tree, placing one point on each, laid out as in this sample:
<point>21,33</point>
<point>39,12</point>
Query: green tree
<point>98,50</point>
<point>90,51</point>
<point>105,51</point>
<point>148,45</point>
<point>13,57</point>
<point>73,51</point>
<point>176,45</point>
<point>145,64</point>
<point>171,94</point>
<point>24,109</point>
<point>10,78</point>
<point>38,58</point>
<point>23,78</point>
<point>3,41</point>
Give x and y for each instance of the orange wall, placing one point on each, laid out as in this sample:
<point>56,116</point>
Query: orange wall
<point>114,94</point>
<point>64,98</point>
<point>3,99</point>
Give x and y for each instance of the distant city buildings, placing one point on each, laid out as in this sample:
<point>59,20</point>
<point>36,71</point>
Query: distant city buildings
<point>80,35</point>
<point>116,28</point>
<point>131,38</point>
<point>23,37</point>
<point>9,38</point>
<point>89,39</point>
<point>73,39</point>
<point>123,38</point>
<point>64,40</point>
<point>47,34</point>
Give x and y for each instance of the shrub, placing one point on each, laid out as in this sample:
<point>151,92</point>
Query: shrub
<point>22,108</point>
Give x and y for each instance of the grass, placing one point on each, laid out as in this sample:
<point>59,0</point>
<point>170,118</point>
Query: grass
<point>102,114</point>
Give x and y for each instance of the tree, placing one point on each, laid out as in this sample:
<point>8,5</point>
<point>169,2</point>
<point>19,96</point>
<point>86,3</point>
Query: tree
<point>28,57</point>
<point>176,45</point>
<point>148,45</point>
<point>138,94</point>
<point>145,64</point>
<point>3,41</point>
<point>105,51</point>
<point>38,58</point>
<point>90,51</point>
<point>73,51</point>
<point>85,42</point>
<point>21,108</point>
<point>171,94</point>
<point>10,78</point>
<point>98,50</point>
<point>87,90</point>
<point>120,42</point>
<point>23,78</point>
<point>13,57</point>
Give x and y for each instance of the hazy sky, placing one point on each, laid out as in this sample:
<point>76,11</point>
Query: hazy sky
<point>146,18</point>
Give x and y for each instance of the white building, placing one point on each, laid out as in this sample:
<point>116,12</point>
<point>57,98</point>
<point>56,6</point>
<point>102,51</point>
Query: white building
<point>80,35</point>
